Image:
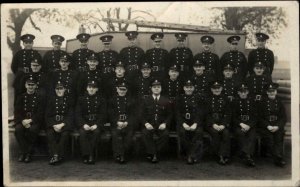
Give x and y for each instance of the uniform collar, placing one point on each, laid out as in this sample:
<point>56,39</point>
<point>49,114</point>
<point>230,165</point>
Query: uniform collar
<point>156,97</point>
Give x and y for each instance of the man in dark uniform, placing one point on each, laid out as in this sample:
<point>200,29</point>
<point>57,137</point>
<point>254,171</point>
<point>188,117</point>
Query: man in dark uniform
<point>116,79</point>
<point>59,122</point>
<point>218,122</point>
<point>244,124</point>
<point>51,58</point>
<point>156,119</point>
<point>190,119</point>
<point>258,81</point>
<point>201,79</point>
<point>66,76</point>
<point>181,56</point>
<point>210,59</point>
<point>107,57</point>
<point>235,58</point>
<point>91,73</point>
<point>143,81</point>
<point>39,76</point>
<point>158,57</point>
<point>90,117</point>
<point>229,82</point>
<point>28,114</point>
<point>172,88</point>
<point>132,54</point>
<point>22,59</point>
<point>261,54</point>
<point>121,110</point>
<point>272,121</point>
<point>80,56</point>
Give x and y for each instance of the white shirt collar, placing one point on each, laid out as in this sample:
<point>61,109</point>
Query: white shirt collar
<point>156,97</point>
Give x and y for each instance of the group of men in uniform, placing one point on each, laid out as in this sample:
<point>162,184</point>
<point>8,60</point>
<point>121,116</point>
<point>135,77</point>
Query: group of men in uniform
<point>154,92</point>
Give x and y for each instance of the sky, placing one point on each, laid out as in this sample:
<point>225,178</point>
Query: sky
<point>196,13</point>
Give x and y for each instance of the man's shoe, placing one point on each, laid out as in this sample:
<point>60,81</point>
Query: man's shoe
<point>27,158</point>
<point>149,157</point>
<point>221,160</point>
<point>250,162</point>
<point>280,162</point>
<point>154,159</point>
<point>122,159</point>
<point>85,159</point>
<point>21,158</point>
<point>189,160</point>
<point>51,162</point>
<point>91,160</point>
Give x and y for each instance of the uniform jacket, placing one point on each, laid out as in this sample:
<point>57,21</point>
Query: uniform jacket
<point>79,58</point>
<point>157,113</point>
<point>29,106</point>
<point>51,60</point>
<point>212,62</point>
<point>244,111</point>
<point>22,59</point>
<point>265,56</point>
<point>182,57</point>
<point>236,59</point>
<point>91,110</point>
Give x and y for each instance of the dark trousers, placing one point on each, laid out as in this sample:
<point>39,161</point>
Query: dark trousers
<point>155,146</point>
<point>220,141</point>
<point>121,140</point>
<point>246,140</point>
<point>273,141</point>
<point>26,137</point>
<point>57,141</point>
<point>88,141</point>
<point>190,140</point>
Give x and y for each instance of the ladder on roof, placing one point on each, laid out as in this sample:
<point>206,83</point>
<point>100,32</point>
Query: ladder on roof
<point>169,26</point>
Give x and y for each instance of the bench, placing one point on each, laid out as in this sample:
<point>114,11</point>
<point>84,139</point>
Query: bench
<point>107,135</point>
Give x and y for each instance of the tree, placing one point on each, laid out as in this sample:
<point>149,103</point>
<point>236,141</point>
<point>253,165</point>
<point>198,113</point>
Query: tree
<point>254,19</point>
<point>18,18</point>
<point>92,20</point>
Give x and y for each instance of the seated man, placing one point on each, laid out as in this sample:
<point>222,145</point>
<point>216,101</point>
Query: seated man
<point>28,116</point>
<point>59,122</point>
<point>156,119</point>
<point>272,122</point>
<point>121,110</point>
<point>189,116</point>
<point>244,123</point>
<point>218,122</point>
<point>90,114</point>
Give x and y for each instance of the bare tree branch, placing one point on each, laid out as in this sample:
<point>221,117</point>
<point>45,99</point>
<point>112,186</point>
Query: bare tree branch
<point>33,24</point>
<point>12,27</point>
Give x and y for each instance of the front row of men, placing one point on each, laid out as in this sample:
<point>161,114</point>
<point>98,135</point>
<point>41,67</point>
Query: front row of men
<point>244,116</point>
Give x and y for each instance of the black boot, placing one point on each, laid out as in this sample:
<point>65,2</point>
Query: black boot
<point>21,158</point>
<point>27,158</point>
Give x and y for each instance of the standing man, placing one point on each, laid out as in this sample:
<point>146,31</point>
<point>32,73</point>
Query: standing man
<point>210,59</point>
<point>235,58</point>
<point>80,56</point>
<point>122,117</point>
<point>218,122</point>
<point>229,82</point>
<point>22,59</point>
<point>261,54</point>
<point>66,76</point>
<point>158,57</point>
<point>156,120</point>
<point>91,74</point>
<point>28,114</point>
<point>90,114</point>
<point>181,56</point>
<point>132,54</point>
<point>143,81</point>
<point>107,57</point>
<point>51,58</point>
<point>244,124</point>
<point>201,79</point>
<point>190,119</point>
<point>272,122</point>
<point>258,81</point>
<point>59,121</point>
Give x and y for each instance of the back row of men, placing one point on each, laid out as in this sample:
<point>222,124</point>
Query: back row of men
<point>159,59</point>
